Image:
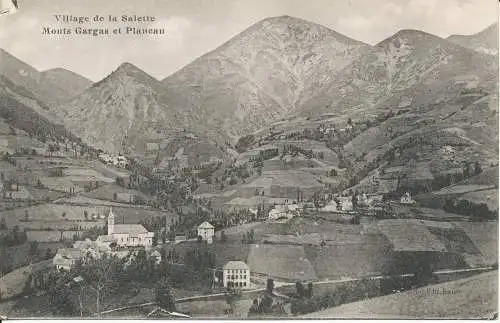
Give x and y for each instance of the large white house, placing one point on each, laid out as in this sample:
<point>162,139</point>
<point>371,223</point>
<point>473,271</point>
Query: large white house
<point>236,274</point>
<point>206,231</point>
<point>128,235</point>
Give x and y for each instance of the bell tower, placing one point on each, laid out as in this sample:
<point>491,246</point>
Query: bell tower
<point>111,222</point>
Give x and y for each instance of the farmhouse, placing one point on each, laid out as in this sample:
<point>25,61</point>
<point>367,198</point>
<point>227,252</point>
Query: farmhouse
<point>156,255</point>
<point>346,203</point>
<point>284,211</point>
<point>125,197</point>
<point>330,207</point>
<point>406,199</point>
<point>152,146</point>
<point>236,274</point>
<point>129,235</point>
<point>206,231</point>
<point>67,258</point>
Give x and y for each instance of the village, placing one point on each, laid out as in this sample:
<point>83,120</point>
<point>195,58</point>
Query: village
<point>207,251</point>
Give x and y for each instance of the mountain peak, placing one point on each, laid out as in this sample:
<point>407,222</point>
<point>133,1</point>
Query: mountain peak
<point>130,70</point>
<point>128,67</point>
<point>410,37</point>
<point>299,28</point>
<point>485,41</point>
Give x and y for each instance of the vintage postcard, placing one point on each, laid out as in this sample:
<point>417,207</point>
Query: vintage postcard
<point>249,159</point>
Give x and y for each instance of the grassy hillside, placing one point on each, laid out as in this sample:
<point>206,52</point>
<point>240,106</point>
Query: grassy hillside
<point>475,297</point>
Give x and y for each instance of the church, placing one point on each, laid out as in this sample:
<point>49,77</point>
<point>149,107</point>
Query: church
<point>128,235</point>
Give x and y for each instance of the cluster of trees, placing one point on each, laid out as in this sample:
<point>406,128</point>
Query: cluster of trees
<point>248,237</point>
<point>295,150</point>
<point>95,231</point>
<point>56,172</point>
<point>332,173</point>
<point>12,237</point>
<point>196,271</point>
<point>24,151</point>
<point>470,169</point>
<point>91,186</point>
<point>468,208</point>
<point>267,154</point>
<point>100,279</point>
<point>205,172</point>
<point>266,305</point>
<point>304,301</point>
<point>244,143</point>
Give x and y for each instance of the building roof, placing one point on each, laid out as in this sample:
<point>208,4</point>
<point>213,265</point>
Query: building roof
<point>106,238</point>
<point>129,228</point>
<point>205,225</point>
<point>70,253</point>
<point>236,265</point>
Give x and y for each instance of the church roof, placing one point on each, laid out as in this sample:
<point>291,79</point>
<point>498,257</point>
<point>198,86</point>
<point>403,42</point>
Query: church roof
<point>236,265</point>
<point>129,228</point>
<point>205,225</point>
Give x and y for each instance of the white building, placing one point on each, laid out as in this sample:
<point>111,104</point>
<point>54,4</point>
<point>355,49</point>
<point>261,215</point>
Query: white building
<point>330,207</point>
<point>129,235</point>
<point>157,256</point>
<point>206,231</point>
<point>236,274</point>
<point>287,211</point>
<point>67,258</point>
<point>346,203</point>
<point>406,199</point>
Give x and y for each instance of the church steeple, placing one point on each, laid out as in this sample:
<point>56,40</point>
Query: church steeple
<point>111,222</point>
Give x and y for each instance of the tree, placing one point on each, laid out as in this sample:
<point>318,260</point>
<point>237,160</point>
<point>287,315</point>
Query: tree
<point>163,295</point>
<point>115,196</point>
<point>48,253</point>
<point>33,248</point>
<point>155,239</point>
<point>254,309</point>
<point>477,168</point>
<point>423,274</point>
<point>354,201</point>
<point>300,289</point>
<point>60,298</point>
<point>309,289</point>
<point>3,224</point>
<point>223,237</point>
<point>86,215</point>
<point>232,296</point>
<point>102,276</point>
<point>270,285</point>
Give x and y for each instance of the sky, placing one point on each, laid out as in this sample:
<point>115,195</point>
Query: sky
<point>195,27</point>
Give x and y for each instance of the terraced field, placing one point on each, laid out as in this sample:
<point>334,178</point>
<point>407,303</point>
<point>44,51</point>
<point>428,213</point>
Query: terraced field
<point>371,256</point>
<point>281,261</point>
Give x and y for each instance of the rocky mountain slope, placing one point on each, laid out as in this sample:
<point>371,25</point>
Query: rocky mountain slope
<point>20,109</point>
<point>421,107</point>
<point>264,73</point>
<point>50,88</point>
<point>485,41</point>
<point>126,111</point>
<point>405,60</point>
<point>74,84</point>
<point>287,77</point>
